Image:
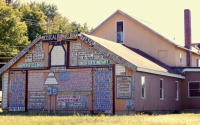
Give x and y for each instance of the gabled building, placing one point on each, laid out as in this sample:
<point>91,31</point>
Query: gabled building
<point>123,66</point>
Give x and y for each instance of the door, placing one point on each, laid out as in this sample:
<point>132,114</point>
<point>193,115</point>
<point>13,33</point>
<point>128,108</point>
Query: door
<point>103,90</point>
<point>17,91</point>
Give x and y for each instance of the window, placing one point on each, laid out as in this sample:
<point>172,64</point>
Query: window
<point>194,89</point>
<point>161,89</point>
<point>120,34</point>
<point>143,87</point>
<point>176,90</point>
<point>198,62</point>
<point>181,59</point>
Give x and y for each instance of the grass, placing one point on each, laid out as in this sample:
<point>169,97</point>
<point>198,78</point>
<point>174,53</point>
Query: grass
<point>51,119</point>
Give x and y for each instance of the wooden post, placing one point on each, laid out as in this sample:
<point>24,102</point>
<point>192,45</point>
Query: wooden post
<point>54,103</point>
<point>49,104</point>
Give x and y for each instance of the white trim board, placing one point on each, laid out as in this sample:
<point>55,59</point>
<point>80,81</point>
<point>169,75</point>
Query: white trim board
<point>190,70</point>
<point>160,73</point>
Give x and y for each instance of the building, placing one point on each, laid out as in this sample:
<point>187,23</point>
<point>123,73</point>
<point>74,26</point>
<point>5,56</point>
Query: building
<point>112,70</point>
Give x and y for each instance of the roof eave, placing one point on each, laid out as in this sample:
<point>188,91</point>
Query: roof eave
<point>160,73</point>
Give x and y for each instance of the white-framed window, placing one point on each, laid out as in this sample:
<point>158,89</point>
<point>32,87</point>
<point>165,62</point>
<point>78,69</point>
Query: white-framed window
<point>181,58</point>
<point>194,89</point>
<point>198,62</point>
<point>176,90</point>
<point>161,89</point>
<point>143,87</point>
<point>120,31</point>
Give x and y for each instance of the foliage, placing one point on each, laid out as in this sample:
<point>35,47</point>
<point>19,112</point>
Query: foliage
<point>58,23</point>
<point>12,31</point>
<point>33,18</point>
<point>22,23</point>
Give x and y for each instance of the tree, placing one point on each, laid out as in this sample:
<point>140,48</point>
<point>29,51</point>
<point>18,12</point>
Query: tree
<point>33,17</point>
<point>12,31</point>
<point>50,10</point>
<point>58,23</point>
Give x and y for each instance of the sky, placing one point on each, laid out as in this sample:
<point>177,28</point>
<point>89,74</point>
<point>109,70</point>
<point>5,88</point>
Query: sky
<point>166,16</point>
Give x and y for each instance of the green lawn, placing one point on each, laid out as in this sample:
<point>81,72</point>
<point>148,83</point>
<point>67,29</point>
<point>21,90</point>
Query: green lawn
<point>45,119</point>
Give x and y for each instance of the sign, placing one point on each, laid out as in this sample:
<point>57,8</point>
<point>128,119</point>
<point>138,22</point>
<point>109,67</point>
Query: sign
<point>68,98</point>
<point>94,62</point>
<point>120,70</point>
<point>37,100</point>
<point>59,37</point>
<point>103,89</point>
<point>57,56</point>
<point>31,65</point>
<point>16,109</point>
<point>76,46</point>
<point>98,55</point>
<point>123,87</point>
<point>69,36</point>
<point>17,92</point>
<point>5,91</point>
<point>58,69</point>
<point>74,93</point>
<point>28,58</point>
<point>38,47</point>
<point>38,56</point>
<point>49,37</point>
<point>85,55</point>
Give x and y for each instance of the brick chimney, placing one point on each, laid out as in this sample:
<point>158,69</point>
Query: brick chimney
<point>187,25</point>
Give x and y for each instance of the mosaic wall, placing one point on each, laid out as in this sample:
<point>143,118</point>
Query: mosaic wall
<point>34,58</point>
<point>124,87</point>
<point>57,56</point>
<point>107,53</point>
<point>86,56</point>
<point>17,92</point>
<point>37,100</point>
<point>103,88</point>
<point>75,81</point>
<point>36,81</point>
<point>5,91</point>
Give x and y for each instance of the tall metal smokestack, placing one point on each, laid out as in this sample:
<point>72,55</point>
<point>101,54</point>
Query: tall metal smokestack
<point>187,25</point>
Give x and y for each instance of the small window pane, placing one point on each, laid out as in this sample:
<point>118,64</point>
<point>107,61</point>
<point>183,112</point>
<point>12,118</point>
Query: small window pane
<point>160,93</point>
<point>195,93</point>
<point>194,85</point>
<point>143,86</point>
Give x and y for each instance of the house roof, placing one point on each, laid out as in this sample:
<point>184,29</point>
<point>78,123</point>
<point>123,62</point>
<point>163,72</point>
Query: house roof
<point>130,57</point>
<point>146,25</point>
<point>137,58</point>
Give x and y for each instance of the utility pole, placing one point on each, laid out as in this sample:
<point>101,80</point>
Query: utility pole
<point>48,24</point>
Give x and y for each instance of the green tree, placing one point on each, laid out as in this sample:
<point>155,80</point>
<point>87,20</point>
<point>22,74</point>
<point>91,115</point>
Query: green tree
<point>34,18</point>
<point>12,31</point>
<point>58,23</point>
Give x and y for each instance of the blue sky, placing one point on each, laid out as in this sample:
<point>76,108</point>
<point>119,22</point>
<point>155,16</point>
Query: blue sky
<point>165,15</point>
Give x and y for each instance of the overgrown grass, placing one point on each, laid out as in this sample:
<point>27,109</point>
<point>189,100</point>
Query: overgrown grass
<point>52,119</point>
